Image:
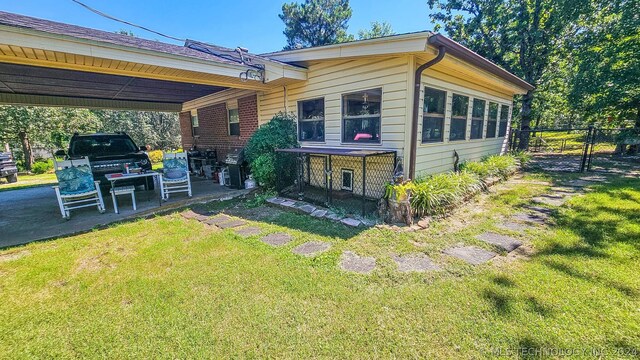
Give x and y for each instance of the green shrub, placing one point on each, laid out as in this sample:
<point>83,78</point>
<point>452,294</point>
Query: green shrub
<point>155,156</point>
<point>42,166</point>
<point>279,133</point>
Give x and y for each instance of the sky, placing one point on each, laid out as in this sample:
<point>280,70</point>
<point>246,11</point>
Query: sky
<point>252,24</point>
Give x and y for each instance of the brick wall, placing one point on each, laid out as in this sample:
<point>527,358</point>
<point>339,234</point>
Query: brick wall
<point>185,130</point>
<point>214,127</point>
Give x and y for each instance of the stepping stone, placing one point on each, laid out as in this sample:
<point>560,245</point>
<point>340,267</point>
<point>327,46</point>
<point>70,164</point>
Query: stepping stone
<point>249,231</point>
<point>351,222</point>
<point>502,241</point>
<point>539,219</point>
<point>578,183</point>
<point>550,200</point>
<point>232,224</point>
<point>276,200</point>
<point>319,213</point>
<point>307,208</point>
<point>288,203</point>
<point>358,264</point>
<point>514,226</point>
<point>333,216</point>
<point>415,262</point>
<point>201,218</point>
<point>470,254</point>
<point>276,239</point>
<point>596,178</point>
<point>542,211</point>
<point>311,248</point>
<point>218,219</point>
<point>189,214</point>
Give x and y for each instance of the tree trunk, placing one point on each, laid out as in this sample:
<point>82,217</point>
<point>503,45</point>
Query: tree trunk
<point>525,122</point>
<point>26,149</point>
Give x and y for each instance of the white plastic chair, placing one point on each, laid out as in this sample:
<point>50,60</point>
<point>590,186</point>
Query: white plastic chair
<point>175,174</point>
<point>76,187</point>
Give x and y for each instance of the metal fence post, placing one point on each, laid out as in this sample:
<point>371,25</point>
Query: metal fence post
<point>585,152</point>
<point>364,184</point>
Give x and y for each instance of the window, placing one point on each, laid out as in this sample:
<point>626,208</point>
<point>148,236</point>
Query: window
<point>459,112</point>
<point>477,118</point>
<point>493,119</point>
<point>361,116</point>
<point>234,122</point>
<point>194,125</point>
<point>504,119</point>
<point>433,115</point>
<point>311,120</point>
<point>347,179</point>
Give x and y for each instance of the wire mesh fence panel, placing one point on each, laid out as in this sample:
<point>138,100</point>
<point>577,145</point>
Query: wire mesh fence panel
<point>554,141</point>
<point>614,149</point>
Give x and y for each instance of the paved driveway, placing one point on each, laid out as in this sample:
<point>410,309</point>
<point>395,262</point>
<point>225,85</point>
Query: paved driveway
<point>32,214</point>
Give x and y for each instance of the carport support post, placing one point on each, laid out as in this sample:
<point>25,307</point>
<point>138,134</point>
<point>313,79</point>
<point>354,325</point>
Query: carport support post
<point>585,152</point>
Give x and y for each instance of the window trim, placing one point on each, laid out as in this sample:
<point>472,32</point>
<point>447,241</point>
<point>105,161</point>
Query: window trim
<point>324,120</point>
<point>194,129</point>
<point>342,172</point>
<point>506,120</point>
<point>482,119</point>
<point>425,115</point>
<point>452,118</point>
<point>343,118</point>
<point>229,110</point>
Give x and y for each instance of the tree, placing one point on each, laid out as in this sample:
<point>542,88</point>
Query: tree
<point>315,23</point>
<point>26,126</point>
<point>378,29</point>
<point>519,35</point>
<point>157,129</point>
<point>607,62</point>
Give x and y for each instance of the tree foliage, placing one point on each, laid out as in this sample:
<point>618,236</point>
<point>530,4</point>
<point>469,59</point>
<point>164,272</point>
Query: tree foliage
<point>519,35</point>
<point>315,23</point>
<point>378,29</point>
<point>606,54</point>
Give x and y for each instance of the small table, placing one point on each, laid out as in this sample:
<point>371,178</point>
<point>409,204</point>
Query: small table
<point>113,178</point>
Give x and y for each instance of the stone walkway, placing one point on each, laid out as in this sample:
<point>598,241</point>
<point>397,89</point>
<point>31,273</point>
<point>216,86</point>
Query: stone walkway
<point>532,217</point>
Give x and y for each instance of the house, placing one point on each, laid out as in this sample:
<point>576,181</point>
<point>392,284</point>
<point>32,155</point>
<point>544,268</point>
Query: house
<point>364,107</point>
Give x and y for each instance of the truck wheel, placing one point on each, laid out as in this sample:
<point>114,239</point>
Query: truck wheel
<point>12,178</point>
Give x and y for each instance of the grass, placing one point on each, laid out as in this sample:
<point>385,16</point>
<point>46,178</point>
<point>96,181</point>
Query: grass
<point>171,288</point>
<point>28,181</point>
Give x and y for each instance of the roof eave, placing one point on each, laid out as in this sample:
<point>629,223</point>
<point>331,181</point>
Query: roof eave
<point>463,53</point>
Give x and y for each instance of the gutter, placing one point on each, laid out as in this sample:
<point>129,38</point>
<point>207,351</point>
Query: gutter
<point>417,80</point>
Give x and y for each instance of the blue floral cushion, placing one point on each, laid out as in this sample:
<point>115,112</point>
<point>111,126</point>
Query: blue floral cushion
<point>75,180</point>
<point>174,169</point>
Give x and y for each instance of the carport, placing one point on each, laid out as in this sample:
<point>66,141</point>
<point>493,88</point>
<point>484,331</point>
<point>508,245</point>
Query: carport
<point>45,63</point>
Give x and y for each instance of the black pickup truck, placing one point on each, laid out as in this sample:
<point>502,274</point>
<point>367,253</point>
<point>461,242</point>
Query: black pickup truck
<point>8,169</point>
<point>108,153</point>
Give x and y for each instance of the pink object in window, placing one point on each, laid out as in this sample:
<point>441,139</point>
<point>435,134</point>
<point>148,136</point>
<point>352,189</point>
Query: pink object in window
<point>362,136</point>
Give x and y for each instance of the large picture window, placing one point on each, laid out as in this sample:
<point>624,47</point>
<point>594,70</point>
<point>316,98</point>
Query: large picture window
<point>459,112</point>
<point>234,122</point>
<point>311,120</point>
<point>477,118</point>
<point>493,120</point>
<point>504,119</point>
<point>433,115</point>
<point>361,116</point>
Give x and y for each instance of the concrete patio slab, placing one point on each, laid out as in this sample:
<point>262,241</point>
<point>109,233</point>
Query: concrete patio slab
<point>21,209</point>
<point>470,254</point>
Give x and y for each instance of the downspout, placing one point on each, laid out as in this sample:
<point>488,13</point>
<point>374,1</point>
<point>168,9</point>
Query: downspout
<point>416,107</point>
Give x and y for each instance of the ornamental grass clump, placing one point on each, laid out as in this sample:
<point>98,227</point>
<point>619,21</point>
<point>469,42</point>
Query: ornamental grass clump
<point>438,193</point>
<point>501,166</point>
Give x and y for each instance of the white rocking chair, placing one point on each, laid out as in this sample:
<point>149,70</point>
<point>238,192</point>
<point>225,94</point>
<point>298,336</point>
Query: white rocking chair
<point>175,174</point>
<point>76,187</point>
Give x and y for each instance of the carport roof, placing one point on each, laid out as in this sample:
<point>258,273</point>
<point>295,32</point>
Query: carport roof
<point>217,53</point>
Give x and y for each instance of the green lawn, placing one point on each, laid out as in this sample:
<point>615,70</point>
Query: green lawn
<point>27,181</point>
<point>173,288</point>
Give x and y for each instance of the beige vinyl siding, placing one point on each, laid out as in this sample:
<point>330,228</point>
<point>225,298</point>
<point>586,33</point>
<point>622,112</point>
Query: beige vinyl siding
<point>438,157</point>
<point>332,79</point>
